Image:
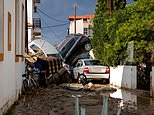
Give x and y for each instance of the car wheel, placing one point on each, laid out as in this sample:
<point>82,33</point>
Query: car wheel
<point>82,79</point>
<point>88,47</point>
<point>107,81</point>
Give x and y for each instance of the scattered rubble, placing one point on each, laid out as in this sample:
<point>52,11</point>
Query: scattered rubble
<point>90,87</point>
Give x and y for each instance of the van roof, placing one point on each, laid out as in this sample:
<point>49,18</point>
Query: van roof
<point>45,46</point>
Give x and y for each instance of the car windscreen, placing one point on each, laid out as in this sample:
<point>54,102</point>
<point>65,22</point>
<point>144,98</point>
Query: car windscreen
<point>92,62</point>
<point>37,50</point>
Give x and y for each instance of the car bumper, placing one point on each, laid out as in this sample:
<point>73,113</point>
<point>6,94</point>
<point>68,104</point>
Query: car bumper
<point>97,76</point>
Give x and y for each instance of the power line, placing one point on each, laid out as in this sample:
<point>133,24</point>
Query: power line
<point>50,16</point>
<point>56,25</point>
<point>50,28</point>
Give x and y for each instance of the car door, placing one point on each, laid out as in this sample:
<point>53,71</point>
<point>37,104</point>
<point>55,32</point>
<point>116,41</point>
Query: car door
<point>77,69</point>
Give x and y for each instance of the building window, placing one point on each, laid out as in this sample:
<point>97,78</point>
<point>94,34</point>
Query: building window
<point>9,31</point>
<point>1,30</point>
<point>84,20</point>
<point>85,31</point>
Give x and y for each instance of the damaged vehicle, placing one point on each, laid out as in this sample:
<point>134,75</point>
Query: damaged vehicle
<point>72,46</point>
<point>48,62</point>
<point>40,47</point>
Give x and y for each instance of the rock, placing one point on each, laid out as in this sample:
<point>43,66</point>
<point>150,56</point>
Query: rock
<point>90,85</point>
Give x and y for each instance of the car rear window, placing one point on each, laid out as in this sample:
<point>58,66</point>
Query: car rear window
<point>92,62</point>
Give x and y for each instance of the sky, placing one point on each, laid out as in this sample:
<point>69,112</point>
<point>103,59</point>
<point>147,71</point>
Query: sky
<point>57,12</point>
<point>60,10</point>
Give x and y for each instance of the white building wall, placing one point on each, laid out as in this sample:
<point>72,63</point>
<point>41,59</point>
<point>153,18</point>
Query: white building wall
<point>30,18</point>
<point>30,11</point>
<point>10,71</point>
<point>79,26</point>
<point>30,36</point>
<point>124,76</point>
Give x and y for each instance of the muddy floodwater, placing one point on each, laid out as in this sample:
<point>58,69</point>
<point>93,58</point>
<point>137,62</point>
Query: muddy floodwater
<point>58,100</point>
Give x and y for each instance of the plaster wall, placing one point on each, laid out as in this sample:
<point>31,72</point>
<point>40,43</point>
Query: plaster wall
<point>124,76</point>
<point>10,70</point>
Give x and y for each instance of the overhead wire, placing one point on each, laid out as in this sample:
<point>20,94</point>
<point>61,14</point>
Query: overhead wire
<point>59,25</point>
<point>49,28</point>
<point>50,16</point>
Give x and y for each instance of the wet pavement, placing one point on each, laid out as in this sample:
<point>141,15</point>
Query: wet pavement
<point>56,100</point>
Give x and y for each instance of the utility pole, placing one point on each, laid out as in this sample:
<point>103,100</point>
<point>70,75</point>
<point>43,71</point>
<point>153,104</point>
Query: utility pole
<point>75,5</point>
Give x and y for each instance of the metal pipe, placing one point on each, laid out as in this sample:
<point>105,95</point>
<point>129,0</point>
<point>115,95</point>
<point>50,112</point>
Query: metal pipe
<point>26,28</point>
<point>75,16</point>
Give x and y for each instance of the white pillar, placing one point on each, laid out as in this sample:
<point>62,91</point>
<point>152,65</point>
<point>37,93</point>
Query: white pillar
<point>152,82</point>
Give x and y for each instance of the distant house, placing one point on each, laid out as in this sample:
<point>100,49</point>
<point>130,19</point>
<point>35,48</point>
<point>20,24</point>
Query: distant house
<point>83,24</point>
<point>12,44</point>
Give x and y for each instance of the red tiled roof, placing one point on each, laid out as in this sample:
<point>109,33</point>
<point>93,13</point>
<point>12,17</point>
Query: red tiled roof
<point>81,17</point>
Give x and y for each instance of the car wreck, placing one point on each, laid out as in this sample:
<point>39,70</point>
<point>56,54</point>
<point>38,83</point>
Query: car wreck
<point>67,53</point>
<point>72,46</point>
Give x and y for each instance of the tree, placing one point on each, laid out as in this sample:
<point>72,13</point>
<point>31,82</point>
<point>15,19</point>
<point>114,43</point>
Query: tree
<point>111,34</point>
<point>109,5</point>
<point>119,4</point>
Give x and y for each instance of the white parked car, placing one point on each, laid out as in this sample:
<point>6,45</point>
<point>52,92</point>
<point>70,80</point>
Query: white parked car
<point>90,69</point>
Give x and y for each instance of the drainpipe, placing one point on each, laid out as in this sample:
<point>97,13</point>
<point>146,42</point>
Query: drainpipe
<point>75,16</point>
<point>26,28</point>
<point>68,31</point>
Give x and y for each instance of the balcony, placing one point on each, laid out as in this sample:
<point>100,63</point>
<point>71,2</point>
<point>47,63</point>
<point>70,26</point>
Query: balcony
<point>36,26</point>
<point>36,23</point>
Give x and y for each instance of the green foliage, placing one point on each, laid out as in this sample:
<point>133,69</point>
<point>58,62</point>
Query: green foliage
<point>111,34</point>
<point>119,4</point>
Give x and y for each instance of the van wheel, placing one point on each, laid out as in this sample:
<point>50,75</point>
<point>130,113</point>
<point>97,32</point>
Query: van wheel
<point>82,79</point>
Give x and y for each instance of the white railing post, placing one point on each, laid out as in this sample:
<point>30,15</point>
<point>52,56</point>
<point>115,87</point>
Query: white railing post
<point>83,111</point>
<point>105,105</point>
<point>76,103</point>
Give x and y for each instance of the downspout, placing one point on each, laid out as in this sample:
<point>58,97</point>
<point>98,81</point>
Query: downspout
<point>26,28</point>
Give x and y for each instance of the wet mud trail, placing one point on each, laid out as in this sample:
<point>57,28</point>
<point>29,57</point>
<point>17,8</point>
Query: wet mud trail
<point>56,100</point>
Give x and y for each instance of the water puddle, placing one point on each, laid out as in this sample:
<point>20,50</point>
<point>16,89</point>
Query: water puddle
<point>126,99</point>
<point>133,99</point>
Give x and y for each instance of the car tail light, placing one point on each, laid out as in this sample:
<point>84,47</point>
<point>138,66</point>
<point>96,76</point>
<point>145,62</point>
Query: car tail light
<point>107,70</point>
<point>86,70</point>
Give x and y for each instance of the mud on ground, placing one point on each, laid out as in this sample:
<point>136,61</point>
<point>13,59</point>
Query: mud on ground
<point>55,100</point>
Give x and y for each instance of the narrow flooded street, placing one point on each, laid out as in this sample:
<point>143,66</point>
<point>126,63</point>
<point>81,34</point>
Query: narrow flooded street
<point>57,100</point>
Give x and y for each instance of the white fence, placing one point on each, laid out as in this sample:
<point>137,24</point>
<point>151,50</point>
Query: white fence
<point>124,76</point>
